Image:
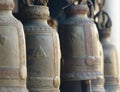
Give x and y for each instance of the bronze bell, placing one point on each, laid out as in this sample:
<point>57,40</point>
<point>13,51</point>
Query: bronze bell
<point>110,54</point>
<point>13,70</point>
<point>80,47</point>
<point>43,50</point>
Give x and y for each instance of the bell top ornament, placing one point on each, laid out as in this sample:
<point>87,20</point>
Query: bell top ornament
<point>80,45</point>
<point>13,71</point>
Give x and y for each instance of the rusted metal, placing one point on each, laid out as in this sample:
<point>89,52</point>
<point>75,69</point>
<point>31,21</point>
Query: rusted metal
<point>13,72</point>
<point>43,50</point>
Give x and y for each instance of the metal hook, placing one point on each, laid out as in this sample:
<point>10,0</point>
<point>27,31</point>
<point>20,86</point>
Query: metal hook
<point>103,21</point>
<point>91,8</point>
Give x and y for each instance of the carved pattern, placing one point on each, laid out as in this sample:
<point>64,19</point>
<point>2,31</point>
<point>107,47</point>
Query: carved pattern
<point>42,90</point>
<point>80,61</point>
<point>81,75</point>
<point>81,22</point>
<point>40,29</point>
<point>98,81</point>
<point>13,89</point>
<point>40,52</point>
<point>39,82</point>
<point>88,40</point>
<point>8,20</point>
<point>9,74</point>
<point>76,9</point>
<point>111,80</point>
<point>6,4</point>
<point>41,12</point>
<point>98,85</point>
<point>90,61</point>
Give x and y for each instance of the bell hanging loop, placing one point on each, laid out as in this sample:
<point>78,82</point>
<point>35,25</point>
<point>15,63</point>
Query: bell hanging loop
<point>100,3</point>
<point>91,9</point>
<point>102,20</point>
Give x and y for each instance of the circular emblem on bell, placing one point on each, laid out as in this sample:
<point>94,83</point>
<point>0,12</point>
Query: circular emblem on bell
<point>56,81</point>
<point>23,73</point>
<point>90,60</point>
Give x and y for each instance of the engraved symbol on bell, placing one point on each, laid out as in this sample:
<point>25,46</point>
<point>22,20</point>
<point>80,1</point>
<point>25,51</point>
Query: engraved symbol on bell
<point>2,39</point>
<point>90,60</point>
<point>40,52</point>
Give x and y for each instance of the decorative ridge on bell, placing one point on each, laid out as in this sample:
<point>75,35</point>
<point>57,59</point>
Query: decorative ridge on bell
<point>76,7</point>
<point>6,4</point>
<point>35,9</point>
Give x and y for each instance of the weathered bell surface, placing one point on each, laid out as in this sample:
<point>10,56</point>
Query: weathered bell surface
<point>13,70</point>
<point>110,54</point>
<point>80,45</point>
<point>98,84</point>
<point>110,65</point>
<point>43,50</point>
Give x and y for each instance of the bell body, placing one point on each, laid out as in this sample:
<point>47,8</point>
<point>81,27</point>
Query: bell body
<point>79,45</point>
<point>110,67</point>
<point>80,49</point>
<point>43,51</point>
<point>98,84</point>
<point>13,70</point>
